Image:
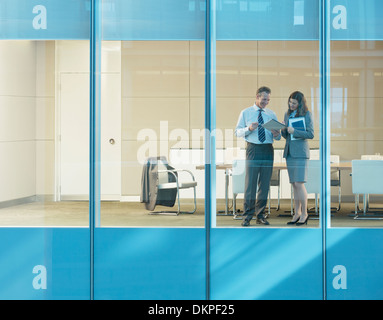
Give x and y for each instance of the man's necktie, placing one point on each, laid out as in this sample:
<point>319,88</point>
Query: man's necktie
<point>261,130</point>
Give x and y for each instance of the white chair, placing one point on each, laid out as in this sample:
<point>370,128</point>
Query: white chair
<point>371,157</point>
<point>276,179</point>
<point>238,175</point>
<point>275,182</point>
<point>313,184</point>
<point>366,179</point>
<point>169,178</point>
<point>233,153</point>
<point>335,179</point>
<point>366,157</point>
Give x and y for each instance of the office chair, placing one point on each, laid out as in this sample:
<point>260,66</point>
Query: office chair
<point>367,196</point>
<point>238,175</point>
<point>275,182</point>
<point>313,184</point>
<point>163,185</point>
<point>371,157</point>
<point>335,179</point>
<point>366,179</point>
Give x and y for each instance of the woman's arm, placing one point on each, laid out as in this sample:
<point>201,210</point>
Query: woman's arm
<point>309,132</point>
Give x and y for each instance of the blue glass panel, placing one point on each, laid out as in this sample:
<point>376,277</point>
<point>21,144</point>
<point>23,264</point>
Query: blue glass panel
<point>266,264</point>
<point>44,263</point>
<point>154,20</point>
<point>151,263</point>
<point>354,261</point>
<point>267,20</point>
<point>356,20</point>
<point>44,19</point>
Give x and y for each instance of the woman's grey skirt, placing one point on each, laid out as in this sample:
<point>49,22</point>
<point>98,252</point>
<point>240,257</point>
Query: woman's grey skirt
<point>297,169</point>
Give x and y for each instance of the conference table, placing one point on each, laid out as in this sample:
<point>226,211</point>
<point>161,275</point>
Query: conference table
<point>339,166</point>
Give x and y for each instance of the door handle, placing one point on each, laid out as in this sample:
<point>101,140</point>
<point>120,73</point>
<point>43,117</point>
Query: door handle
<point>111,141</point>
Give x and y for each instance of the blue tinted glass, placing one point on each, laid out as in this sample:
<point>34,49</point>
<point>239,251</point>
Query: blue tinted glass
<point>153,20</point>
<point>267,20</point>
<point>44,19</point>
<point>356,20</point>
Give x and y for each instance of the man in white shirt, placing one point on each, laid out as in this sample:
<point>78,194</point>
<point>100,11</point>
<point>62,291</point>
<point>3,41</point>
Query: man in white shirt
<point>259,155</point>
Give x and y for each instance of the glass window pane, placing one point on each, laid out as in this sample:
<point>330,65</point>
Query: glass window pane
<point>356,118</point>
<point>152,105</point>
<point>280,51</point>
<point>44,149</point>
<point>356,130</point>
<point>274,44</point>
<point>44,92</point>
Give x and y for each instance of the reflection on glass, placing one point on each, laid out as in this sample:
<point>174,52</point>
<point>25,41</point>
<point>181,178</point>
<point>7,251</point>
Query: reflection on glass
<point>356,129</point>
<point>44,162</point>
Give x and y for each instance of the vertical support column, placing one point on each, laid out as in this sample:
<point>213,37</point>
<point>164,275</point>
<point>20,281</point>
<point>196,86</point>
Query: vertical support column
<point>94,134</point>
<point>210,117</point>
<point>325,199</point>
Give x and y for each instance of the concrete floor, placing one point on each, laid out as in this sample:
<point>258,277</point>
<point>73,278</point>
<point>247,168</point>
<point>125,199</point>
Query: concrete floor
<point>129,214</point>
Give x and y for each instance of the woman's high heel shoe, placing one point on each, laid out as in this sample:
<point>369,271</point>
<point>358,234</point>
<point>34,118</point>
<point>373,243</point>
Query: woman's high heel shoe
<point>304,222</point>
<point>293,222</point>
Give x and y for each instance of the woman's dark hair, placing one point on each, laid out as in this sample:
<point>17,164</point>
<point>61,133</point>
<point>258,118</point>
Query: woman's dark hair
<point>302,105</point>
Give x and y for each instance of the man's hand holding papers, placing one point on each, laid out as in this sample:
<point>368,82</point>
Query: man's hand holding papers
<point>273,125</point>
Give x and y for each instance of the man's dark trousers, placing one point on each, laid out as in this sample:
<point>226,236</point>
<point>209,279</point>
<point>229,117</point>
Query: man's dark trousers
<point>259,168</point>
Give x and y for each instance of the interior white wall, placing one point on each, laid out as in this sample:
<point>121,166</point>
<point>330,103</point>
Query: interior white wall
<point>45,118</point>
<point>27,103</point>
<point>17,119</point>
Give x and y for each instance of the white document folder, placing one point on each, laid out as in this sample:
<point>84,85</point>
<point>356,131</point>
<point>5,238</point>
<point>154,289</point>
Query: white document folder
<point>273,125</point>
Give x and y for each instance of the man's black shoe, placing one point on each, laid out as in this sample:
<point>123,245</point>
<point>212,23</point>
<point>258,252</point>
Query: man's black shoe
<point>262,221</point>
<point>245,223</point>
